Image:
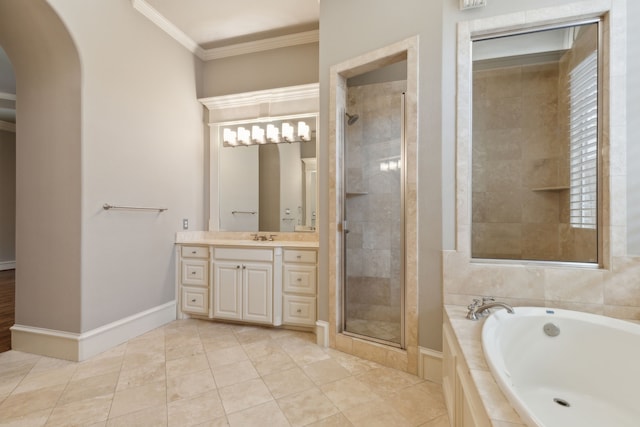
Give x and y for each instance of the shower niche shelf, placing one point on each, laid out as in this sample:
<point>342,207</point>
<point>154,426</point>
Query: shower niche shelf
<point>357,193</point>
<point>557,188</point>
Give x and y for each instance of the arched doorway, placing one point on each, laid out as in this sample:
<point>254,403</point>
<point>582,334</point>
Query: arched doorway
<point>48,167</point>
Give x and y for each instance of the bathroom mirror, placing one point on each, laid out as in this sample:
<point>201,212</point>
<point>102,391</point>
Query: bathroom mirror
<point>535,145</point>
<point>267,174</point>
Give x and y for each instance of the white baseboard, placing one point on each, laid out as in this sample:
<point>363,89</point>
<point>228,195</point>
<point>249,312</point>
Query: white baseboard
<point>322,333</point>
<point>79,347</point>
<point>430,365</point>
<point>7,265</point>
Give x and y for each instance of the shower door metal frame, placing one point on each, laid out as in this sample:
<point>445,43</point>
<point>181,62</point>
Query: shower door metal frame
<point>344,230</point>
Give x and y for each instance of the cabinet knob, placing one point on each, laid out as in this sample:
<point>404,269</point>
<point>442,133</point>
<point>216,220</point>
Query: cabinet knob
<point>298,311</point>
<point>299,256</point>
<point>244,267</point>
<point>193,300</point>
<point>193,252</point>
<point>237,266</point>
<point>193,272</point>
<point>299,279</point>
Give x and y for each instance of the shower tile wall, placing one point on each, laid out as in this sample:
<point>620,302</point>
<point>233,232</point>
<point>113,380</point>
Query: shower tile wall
<point>374,211</point>
<point>520,170</point>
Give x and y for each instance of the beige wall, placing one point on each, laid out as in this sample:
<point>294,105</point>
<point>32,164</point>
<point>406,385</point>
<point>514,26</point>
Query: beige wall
<point>48,162</point>
<point>141,146</point>
<point>289,66</point>
<point>7,197</point>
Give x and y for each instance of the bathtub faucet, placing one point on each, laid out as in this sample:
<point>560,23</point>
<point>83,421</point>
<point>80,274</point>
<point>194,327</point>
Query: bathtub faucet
<point>479,309</point>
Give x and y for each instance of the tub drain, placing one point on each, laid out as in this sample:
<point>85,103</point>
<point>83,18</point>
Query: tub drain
<point>561,402</point>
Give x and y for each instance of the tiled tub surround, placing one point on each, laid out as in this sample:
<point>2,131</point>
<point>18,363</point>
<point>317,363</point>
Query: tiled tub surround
<point>373,295</point>
<point>611,289</point>
<point>492,406</point>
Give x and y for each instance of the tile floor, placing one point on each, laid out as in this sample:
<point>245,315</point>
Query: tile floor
<point>199,373</point>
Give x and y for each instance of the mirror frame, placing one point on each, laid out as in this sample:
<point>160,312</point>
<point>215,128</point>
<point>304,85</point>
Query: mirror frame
<point>286,102</point>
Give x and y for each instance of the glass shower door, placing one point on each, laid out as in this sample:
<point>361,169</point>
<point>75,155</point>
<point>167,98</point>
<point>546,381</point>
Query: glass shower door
<point>373,294</point>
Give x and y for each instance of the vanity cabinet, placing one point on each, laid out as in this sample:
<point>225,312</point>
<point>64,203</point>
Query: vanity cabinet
<point>299,287</point>
<point>194,279</point>
<point>243,284</point>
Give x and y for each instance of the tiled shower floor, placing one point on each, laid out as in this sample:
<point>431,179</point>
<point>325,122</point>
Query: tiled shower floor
<point>199,373</point>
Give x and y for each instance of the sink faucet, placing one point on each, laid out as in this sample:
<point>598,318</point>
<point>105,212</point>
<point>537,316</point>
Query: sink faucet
<point>479,309</point>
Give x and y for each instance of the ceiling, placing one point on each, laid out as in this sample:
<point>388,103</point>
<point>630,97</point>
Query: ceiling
<point>210,29</point>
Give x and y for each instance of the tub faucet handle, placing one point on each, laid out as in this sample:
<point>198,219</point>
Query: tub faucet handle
<point>487,299</point>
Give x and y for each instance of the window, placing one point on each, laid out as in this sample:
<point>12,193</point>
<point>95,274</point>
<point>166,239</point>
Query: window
<point>583,141</point>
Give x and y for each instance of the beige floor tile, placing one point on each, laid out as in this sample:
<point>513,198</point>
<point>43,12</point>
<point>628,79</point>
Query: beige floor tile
<point>302,352</point>
<point>383,381</point>
<point>347,392</point>
<point>306,407</point>
<point>45,378</point>
<point>31,419</point>
<point>218,342</point>
<point>351,363</point>
<point>99,366</point>
<point>138,398</point>
<point>419,403</point>
<point>442,421</point>
<point>136,377</point>
<point>336,420</point>
<point>325,371</point>
<point>234,373</point>
<point>274,362</point>
<point>173,353</point>
<point>217,422</point>
<point>88,388</point>
<point>266,414</point>
<point>226,356</point>
<point>18,356</point>
<point>81,412</point>
<point>244,395</point>
<point>196,410</point>
<point>150,417</point>
<point>287,382</point>
<point>261,349</point>
<point>186,386</point>
<point>19,404</point>
<point>375,413</point>
<point>140,359</point>
<point>186,365</point>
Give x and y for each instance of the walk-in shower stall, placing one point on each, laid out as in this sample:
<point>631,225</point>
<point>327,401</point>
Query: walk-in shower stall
<point>374,181</point>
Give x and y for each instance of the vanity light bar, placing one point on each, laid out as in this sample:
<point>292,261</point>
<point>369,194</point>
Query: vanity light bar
<point>252,134</point>
<point>469,4</point>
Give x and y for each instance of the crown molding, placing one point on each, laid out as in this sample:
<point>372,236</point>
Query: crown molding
<point>167,26</point>
<point>305,37</point>
<point>290,93</point>
<point>7,126</point>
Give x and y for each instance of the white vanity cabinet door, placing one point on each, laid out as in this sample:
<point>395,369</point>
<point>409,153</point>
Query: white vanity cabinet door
<point>257,287</point>
<point>300,279</point>
<point>227,290</point>
<point>299,310</point>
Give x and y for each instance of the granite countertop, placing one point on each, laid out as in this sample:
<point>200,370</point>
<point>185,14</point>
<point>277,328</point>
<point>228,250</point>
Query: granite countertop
<point>468,333</point>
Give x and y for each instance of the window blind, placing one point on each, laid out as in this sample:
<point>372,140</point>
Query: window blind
<point>583,137</point>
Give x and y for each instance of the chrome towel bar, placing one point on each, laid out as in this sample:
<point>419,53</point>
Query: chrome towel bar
<point>107,206</point>
<point>243,212</point>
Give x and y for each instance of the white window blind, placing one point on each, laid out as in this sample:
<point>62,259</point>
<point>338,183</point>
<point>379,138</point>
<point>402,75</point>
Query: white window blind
<point>583,134</point>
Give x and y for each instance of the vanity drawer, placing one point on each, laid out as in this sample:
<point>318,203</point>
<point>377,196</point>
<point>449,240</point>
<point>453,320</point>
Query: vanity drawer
<point>243,254</point>
<point>299,310</point>
<point>194,272</point>
<point>195,300</point>
<point>195,252</point>
<point>291,255</point>
<point>300,279</point>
